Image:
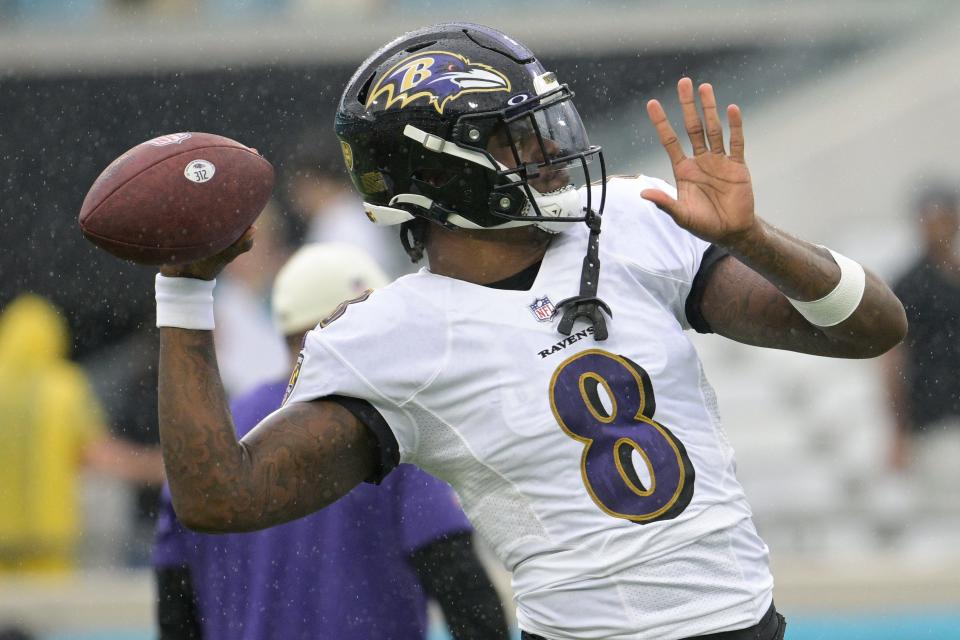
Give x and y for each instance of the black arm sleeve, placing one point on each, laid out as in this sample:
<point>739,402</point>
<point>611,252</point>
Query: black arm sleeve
<point>451,574</point>
<point>367,414</point>
<point>177,616</point>
<point>711,257</point>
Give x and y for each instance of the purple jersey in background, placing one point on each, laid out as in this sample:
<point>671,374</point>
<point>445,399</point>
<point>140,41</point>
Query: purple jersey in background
<point>339,573</point>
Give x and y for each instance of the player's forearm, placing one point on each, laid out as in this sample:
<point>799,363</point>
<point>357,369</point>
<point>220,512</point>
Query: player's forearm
<point>798,269</point>
<point>203,460</point>
<point>296,461</point>
<point>803,271</point>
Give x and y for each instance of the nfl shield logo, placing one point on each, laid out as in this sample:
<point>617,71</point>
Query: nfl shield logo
<point>543,309</point>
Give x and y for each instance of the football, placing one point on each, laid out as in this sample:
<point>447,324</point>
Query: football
<point>176,198</point>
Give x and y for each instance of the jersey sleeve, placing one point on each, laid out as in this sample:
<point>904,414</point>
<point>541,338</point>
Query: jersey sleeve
<point>664,256</point>
<point>383,350</point>
<point>694,314</point>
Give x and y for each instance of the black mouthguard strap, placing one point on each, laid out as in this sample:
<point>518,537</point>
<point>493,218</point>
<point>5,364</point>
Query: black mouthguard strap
<point>587,305</point>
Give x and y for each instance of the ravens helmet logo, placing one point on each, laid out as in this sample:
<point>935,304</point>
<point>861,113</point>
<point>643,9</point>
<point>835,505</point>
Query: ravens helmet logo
<point>437,77</point>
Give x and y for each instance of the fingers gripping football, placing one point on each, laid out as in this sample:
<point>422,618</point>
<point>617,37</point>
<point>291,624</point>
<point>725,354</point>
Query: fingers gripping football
<point>209,268</point>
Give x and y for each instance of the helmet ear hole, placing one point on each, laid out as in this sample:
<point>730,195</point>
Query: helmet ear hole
<point>435,177</point>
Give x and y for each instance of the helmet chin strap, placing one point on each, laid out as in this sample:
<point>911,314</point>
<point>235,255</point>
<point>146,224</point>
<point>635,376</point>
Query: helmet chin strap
<point>587,305</point>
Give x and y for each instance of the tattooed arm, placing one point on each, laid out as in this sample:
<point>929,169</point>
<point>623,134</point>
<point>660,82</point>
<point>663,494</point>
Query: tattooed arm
<point>299,459</point>
<point>744,299</point>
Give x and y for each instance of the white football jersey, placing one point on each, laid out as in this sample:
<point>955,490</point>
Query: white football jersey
<point>598,471</point>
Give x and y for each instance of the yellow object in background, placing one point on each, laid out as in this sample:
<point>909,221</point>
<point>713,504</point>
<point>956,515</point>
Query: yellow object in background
<point>48,416</point>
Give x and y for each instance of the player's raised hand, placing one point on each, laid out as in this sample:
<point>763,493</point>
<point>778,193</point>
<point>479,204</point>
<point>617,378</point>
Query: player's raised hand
<point>714,192</point>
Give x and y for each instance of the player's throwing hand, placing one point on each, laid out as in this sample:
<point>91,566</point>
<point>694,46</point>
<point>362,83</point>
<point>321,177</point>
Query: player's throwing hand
<point>209,268</point>
<point>714,192</point>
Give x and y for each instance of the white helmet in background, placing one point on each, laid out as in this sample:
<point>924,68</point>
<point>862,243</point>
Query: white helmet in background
<point>317,278</point>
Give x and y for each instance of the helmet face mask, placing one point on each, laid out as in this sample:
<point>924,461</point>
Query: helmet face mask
<point>539,143</point>
<point>462,126</point>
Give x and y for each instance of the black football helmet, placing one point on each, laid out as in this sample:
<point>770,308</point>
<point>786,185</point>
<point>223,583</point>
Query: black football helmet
<point>419,119</point>
<point>461,125</point>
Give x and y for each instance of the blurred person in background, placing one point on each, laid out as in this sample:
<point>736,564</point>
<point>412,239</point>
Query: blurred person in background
<point>321,194</point>
<point>124,378</point>
<point>923,373</point>
<point>360,569</point>
<point>124,375</point>
<point>249,350</point>
<point>51,427</point>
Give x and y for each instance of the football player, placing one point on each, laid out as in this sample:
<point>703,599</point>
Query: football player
<point>563,401</point>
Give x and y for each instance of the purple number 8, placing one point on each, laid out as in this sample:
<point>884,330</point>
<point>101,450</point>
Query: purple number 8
<point>611,436</point>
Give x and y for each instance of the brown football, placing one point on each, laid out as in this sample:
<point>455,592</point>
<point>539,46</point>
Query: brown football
<point>176,198</point>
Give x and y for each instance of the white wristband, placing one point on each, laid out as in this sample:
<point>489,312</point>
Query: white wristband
<point>186,303</point>
<point>839,304</point>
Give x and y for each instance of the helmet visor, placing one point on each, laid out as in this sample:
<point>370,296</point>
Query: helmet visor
<point>549,134</point>
<point>541,145</point>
